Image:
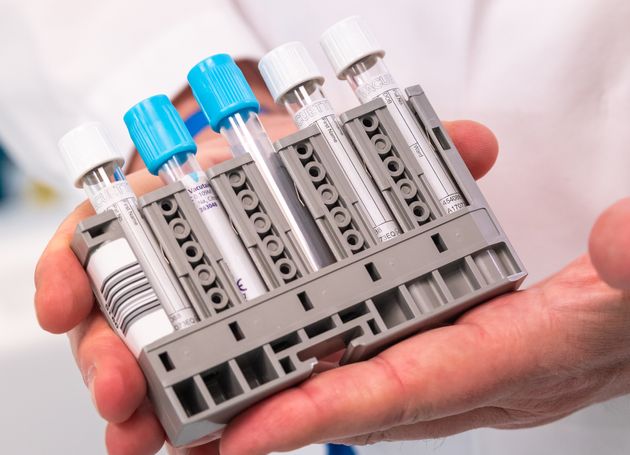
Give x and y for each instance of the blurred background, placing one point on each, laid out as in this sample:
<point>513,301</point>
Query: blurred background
<point>43,397</point>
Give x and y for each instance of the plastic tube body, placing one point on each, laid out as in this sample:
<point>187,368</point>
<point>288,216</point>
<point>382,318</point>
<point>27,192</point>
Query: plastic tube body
<point>186,169</point>
<point>308,105</point>
<point>108,189</point>
<point>245,134</point>
<point>370,79</point>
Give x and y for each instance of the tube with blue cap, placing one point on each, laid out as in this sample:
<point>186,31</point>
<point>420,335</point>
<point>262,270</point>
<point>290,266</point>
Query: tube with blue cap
<point>168,150</point>
<point>232,110</point>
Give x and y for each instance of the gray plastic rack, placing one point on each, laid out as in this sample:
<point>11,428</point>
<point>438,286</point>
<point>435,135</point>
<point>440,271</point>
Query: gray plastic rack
<point>374,295</point>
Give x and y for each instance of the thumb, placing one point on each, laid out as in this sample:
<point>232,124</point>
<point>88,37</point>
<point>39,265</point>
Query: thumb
<point>609,245</point>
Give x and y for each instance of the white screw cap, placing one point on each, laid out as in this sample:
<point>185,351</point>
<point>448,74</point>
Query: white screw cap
<point>347,42</point>
<point>286,67</point>
<point>86,148</point>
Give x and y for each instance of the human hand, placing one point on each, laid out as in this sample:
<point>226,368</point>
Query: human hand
<point>519,360</point>
<point>64,303</point>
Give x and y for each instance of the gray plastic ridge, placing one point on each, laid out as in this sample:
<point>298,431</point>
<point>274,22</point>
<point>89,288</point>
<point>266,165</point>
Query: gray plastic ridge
<point>191,251</point>
<point>329,198</point>
<point>388,158</point>
<point>258,220</point>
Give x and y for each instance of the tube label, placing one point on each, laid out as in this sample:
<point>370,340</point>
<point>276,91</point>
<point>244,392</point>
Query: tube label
<point>119,198</point>
<point>248,281</point>
<point>310,114</point>
<point>375,87</point>
<point>383,86</point>
<point>127,298</point>
<point>111,195</point>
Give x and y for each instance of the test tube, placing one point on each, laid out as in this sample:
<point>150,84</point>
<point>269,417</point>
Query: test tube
<point>295,81</point>
<point>95,166</point>
<point>356,56</point>
<point>168,150</point>
<point>232,109</point>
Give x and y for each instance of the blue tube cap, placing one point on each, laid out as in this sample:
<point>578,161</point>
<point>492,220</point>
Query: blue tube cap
<point>221,89</point>
<point>158,132</point>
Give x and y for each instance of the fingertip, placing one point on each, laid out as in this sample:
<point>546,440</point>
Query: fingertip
<point>63,296</point>
<point>140,434</point>
<point>119,387</point>
<point>609,245</point>
<point>476,143</point>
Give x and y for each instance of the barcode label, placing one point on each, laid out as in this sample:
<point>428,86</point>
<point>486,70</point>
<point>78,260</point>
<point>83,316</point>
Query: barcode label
<point>126,295</point>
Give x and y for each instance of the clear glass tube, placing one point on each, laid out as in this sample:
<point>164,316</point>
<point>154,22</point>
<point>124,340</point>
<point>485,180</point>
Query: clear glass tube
<point>370,79</point>
<point>108,189</point>
<point>308,105</point>
<point>186,169</point>
<point>245,134</point>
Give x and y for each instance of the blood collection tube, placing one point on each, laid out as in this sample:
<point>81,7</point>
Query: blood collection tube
<point>232,109</point>
<point>356,56</point>
<point>295,81</point>
<point>95,166</point>
<point>168,150</point>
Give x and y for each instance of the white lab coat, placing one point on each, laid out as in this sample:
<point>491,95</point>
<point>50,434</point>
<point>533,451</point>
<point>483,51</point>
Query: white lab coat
<point>552,79</point>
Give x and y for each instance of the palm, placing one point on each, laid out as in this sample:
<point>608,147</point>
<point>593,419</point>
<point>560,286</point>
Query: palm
<point>522,359</point>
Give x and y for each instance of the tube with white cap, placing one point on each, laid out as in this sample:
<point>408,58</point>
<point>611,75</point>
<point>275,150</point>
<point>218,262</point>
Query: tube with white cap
<point>95,166</point>
<point>356,56</point>
<point>168,150</point>
<point>232,109</point>
<point>295,81</point>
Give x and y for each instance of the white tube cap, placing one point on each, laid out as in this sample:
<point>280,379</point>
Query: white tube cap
<point>86,148</point>
<point>286,67</point>
<point>347,42</point>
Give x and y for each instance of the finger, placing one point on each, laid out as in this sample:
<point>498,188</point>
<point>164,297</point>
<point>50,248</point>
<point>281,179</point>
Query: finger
<point>476,144</point>
<point>140,434</point>
<point>434,429</point>
<point>609,245</point>
<point>63,296</point>
<point>417,380</point>
<point>109,369</point>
